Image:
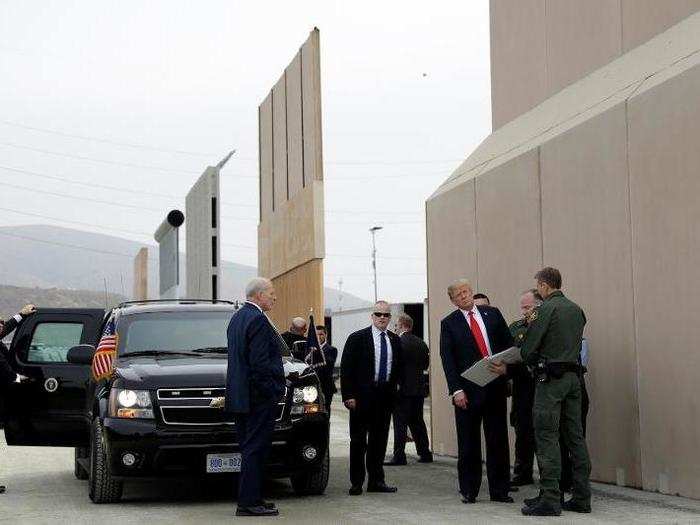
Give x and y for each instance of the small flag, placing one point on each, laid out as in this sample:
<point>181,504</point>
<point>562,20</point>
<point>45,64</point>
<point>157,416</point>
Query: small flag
<point>105,353</point>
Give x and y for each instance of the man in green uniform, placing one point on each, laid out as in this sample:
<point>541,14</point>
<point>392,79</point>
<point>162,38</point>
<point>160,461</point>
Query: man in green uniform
<point>523,396</point>
<point>551,345</point>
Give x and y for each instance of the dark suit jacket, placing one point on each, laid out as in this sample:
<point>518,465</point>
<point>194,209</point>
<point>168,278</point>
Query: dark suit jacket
<point>255,373</point>
<point>415,359</point>
<point>7,375</point>
<point>325,373</point>
<point>459,351</point>
<point>357,365</point>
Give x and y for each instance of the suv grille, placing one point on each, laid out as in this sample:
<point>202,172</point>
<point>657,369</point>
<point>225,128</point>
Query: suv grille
<point>190,406</point>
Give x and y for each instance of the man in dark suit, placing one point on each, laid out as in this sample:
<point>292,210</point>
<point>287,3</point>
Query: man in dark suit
<point>295,338</point>
<point>368,384</point>
<point>254,385</point>
<point>325,372</point>
<point>467,335</point>
<point>408,411</point>
<point>7,374</point>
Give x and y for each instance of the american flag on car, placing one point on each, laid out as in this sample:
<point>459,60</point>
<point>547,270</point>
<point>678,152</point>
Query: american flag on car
<point>105,353</point>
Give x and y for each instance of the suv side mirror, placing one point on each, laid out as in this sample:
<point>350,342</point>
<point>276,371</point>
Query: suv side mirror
<point>81,354</point>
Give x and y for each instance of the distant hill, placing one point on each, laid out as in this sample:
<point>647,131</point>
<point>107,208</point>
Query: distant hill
<point>42,256</point>
<point>12,298</point>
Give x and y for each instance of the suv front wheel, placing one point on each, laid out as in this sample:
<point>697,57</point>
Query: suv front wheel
<point>313,482</point>
<point>103,488</point>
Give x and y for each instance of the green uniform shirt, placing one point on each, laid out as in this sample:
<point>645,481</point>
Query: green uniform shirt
<point>555,331</point>
<point>518,329</point>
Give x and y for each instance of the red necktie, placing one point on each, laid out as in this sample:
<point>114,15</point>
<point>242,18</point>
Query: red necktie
<point>478,336</point>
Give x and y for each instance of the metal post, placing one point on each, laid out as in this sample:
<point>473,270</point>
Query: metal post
<point>373,230</point>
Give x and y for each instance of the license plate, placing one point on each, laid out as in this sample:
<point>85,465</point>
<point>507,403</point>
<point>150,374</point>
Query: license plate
<point>224,462</point>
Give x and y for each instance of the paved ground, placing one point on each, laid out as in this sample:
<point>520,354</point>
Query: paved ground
<point>42,489</point>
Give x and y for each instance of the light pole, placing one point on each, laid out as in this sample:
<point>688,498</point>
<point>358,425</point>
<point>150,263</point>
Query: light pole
<point>373,230</point>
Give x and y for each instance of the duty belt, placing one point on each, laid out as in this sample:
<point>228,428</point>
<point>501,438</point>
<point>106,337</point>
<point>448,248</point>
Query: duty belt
<point>558,369</point>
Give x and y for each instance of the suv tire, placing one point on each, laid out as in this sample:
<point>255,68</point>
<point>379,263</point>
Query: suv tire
<point>312,482</point>
<point>103,488</point>
<point>79,470</point>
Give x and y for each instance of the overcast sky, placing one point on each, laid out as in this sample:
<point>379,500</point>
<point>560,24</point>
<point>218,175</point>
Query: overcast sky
<point>406,97</point>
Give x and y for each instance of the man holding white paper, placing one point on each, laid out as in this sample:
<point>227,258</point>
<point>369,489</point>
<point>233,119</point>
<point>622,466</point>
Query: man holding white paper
<point>467,335</point>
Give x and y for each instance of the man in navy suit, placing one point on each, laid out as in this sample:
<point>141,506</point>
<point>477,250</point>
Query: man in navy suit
<point>467,335</point>
<point>254,385</point>
<point>369,377</point>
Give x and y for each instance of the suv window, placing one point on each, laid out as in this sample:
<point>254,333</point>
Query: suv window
<point>175,331</point>
<point>51,341</point>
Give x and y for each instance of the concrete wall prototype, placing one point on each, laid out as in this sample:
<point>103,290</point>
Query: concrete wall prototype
<point>141,275</point>
<point>291,243</point>
<point>539,47</point>
<point>599,180</point>
<point>203,256</point>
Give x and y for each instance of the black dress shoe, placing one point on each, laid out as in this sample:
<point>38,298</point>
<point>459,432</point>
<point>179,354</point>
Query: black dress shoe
<point>520,482</point>
<point>468,499</point>
<point>257,510</point>
<point>396,462</point>
<point>381,487</point>
<point>574,506</point>
<point>541,508</point>
<point>533,501</point>
<point>428,458</point>
<point>502,499</point>
<point>266,504</point>
<point>355,490</point>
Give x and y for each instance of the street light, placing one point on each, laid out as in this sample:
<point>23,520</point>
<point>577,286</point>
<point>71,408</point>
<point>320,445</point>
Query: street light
<point>373,230</point>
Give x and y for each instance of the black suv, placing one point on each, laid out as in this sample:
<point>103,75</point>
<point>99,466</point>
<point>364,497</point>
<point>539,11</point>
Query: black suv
<point>158,414</point>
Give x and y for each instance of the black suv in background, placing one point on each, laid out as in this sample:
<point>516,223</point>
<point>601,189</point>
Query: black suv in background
<point>157,415</point>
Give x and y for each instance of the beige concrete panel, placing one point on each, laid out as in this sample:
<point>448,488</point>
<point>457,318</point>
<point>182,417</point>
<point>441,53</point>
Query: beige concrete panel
<point>203,249</point>
<point>295,156</point>
<point>451,249</point>
<point>279,143</point>
<point>294,234</point>
<point>664,123</point>
<point>644,19</point>
<point>311,94</point>
<point>581,37</point>
<point>141,275</point>
<point>518,58</point>
<point>509,241</point>
<point>265,155</point>
<point>297,291</point>
<point>586,234</point>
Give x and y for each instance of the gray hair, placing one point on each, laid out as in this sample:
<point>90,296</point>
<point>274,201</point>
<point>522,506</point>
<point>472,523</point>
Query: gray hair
<point>457,284</point>
<point>256,285</point>
<point>535,294</point>
<point>382,302</point>
<point>299,322</point>
<point>405,320</point>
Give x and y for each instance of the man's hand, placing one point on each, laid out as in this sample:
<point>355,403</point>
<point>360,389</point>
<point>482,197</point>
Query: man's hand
<point>27,310</point>
<point>350,404</point>
<point>497,367</point>
<point>460,400</point>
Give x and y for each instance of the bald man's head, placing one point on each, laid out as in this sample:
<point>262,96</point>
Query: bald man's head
<point>298,326</point>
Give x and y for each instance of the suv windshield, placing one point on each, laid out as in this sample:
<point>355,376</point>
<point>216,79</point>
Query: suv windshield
<point>164,332</point>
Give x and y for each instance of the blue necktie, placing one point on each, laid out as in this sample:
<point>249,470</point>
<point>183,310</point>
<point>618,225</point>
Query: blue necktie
<point>383,354</point>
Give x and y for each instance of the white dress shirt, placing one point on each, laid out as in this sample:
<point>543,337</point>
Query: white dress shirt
<point>378,353</point>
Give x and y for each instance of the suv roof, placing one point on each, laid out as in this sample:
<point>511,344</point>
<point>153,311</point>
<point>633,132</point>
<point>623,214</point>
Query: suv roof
<point>174,305</point>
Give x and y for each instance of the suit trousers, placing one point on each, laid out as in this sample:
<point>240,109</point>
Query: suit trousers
<point>408,413</point>
<point>369,433</point>
<point>493,413</point>
<point>255,438</point>
<point>521,420</point>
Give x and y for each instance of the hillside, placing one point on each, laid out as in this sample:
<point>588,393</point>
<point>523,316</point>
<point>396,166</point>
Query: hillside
<point>47,257</point>
<point>12,298</point>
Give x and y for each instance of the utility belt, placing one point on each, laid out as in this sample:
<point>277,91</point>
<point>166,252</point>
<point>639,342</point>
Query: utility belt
<point>544,371</point>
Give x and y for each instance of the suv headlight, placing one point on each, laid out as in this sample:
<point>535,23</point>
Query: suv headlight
<point>130,404</point>
<point>307,394</point>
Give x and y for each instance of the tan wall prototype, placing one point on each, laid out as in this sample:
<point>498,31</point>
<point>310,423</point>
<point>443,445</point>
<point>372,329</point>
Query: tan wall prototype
<point>540,46</point>
<point>291,242</point>
<point>610,167</point>
<point>141,275</point>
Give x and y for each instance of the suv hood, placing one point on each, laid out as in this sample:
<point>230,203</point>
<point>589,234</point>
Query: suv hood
<point>180,371</point>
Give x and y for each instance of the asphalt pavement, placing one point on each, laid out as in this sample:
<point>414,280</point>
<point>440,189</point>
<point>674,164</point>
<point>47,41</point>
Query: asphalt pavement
<point>42,489</point>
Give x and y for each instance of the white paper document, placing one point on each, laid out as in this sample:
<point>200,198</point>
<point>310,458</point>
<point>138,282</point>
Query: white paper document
<point>479,372</point>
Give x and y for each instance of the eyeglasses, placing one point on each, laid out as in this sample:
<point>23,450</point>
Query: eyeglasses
<point>382,314</point>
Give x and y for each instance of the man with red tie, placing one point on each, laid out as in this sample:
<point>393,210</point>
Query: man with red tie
<point>467,335</point>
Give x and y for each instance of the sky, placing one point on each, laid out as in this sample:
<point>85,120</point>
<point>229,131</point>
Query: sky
<point>128,102</point>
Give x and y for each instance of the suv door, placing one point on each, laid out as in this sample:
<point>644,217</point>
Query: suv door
<point>49,408</point>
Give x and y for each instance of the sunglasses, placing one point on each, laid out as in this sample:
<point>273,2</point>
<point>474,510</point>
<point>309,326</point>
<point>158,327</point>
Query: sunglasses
<point>382,314</point>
